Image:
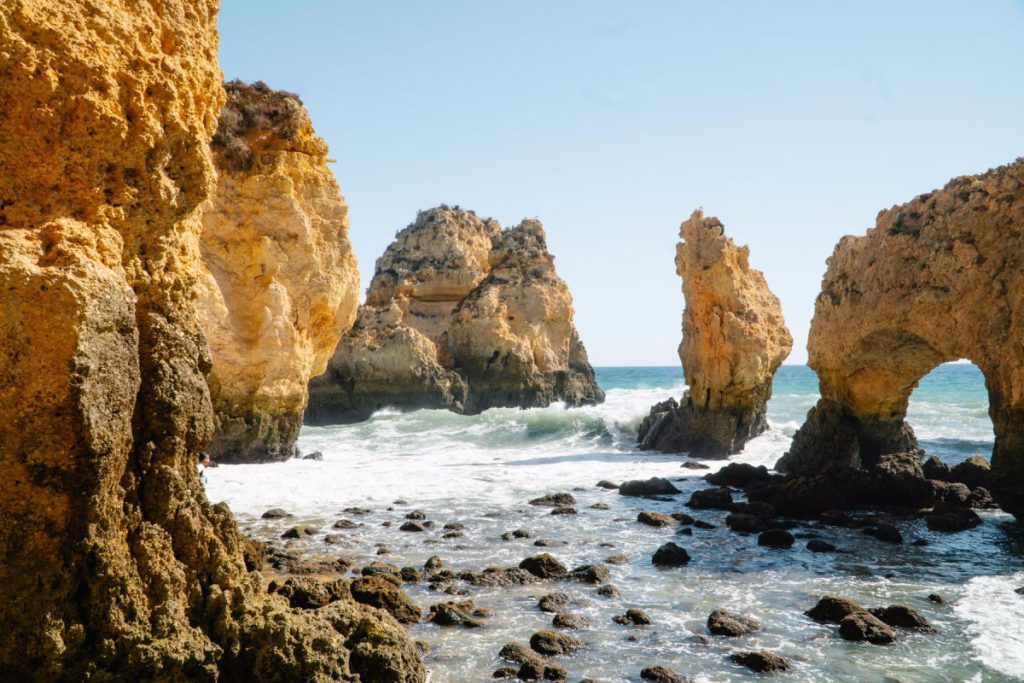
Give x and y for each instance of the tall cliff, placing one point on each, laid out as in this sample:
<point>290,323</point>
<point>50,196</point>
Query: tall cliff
<point>460,315</point>
<point>937,279</point>
<point>115,566</point>
<point>281,283</point>
<point>734,339</point>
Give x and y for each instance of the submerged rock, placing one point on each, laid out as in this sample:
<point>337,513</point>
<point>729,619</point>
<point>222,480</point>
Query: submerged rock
<point>952,518</point>
<point>279,283</point>
<point>462,315</point>
<point>734,339</point>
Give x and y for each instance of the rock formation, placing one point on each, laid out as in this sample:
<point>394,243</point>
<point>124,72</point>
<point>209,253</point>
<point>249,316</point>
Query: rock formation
<point>280,283</point>
<point>115,567</point>
<point>938,279</point>
<point>460,315</point>
<point>734,339</point>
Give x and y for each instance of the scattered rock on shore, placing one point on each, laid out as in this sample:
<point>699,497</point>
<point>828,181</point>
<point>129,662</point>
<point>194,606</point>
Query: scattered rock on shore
<point>670,555</point>
<point>655,486</point>
<point>552,643</point>
<point>723,622</point>
<point>761,661</point>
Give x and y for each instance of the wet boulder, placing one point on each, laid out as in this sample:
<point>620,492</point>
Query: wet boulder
<point>633,617</point>
<point>832,609</point>
<point>274,513</point>
<point>952,518</point>
<point>661,674</point>
<point>864,626</point>
<point>308,593</point>
<point>902,616</point>
<point>670,555</point>
<point>719,498</point>
<point>378,592</point>
<point>544,566</point>
<point>973,472</point>
<point>564,510</point>
<point>590,573</point>
<point>935,469</point>
<point>555,500</point>
<point>745,523</point>
<point>981,499</point>
<point>761,661</point>
<point>301,531</point>
<point>415,527</point>
<point>656,519</point>
<point>724,622</point>
<point>433,564</point>
<point>570,621</point>
<point>608,591</point>
<point>884,532</point>
<point>553,602</point>
<point>517,653</point>
<point>655,486</point>
<point>607,485</point>
<point>551,643</point>
<point>738,475</point>
<point>818,546</point>
<point>807,497</point>
<point>776,538</point>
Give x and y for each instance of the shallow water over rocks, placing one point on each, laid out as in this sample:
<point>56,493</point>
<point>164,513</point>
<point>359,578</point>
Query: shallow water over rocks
<point>481,472</point>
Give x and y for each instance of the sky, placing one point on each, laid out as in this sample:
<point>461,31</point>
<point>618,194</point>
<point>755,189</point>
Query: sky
<point>793,122</point>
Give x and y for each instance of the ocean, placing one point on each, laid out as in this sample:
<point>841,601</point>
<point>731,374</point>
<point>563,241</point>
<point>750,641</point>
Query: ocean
<point>481,470</point>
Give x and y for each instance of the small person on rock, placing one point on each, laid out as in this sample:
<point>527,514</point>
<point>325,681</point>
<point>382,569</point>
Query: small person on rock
<point>204,463</point>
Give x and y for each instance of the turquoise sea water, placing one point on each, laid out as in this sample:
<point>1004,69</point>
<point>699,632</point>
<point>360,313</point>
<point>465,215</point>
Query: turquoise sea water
<point>481,470</point>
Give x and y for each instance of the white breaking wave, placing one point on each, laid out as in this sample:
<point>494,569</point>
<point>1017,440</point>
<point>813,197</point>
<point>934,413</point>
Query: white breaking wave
<point>996,615</point>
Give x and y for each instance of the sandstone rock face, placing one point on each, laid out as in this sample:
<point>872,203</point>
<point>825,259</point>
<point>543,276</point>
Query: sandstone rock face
<point>937,279</point>
<point>115,567</point>
<point>734,339</point>
<point>280,284</point>
<point>460,315</point>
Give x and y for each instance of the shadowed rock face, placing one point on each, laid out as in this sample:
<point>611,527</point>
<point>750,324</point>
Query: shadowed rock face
<point>280,283</point>
<point>734,339</point>
<point>938,279</point>
<point>115,567</point>
<point>460,315</point>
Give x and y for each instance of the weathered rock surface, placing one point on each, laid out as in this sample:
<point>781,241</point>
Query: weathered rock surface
<point>938,279</point>
<point>460,315</point>
<point>115,566</point>
<point>734,339</point>
<point>279,284</point>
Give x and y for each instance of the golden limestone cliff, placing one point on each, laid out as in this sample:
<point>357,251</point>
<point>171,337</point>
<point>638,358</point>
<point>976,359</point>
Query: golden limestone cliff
<point>280,284</point>
<point>938,279</point>
<point>734,339</point>
<point>115,567</point>
<point>460,315</point>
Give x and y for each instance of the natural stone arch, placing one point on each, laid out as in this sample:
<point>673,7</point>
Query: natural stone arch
<point>938,279</point>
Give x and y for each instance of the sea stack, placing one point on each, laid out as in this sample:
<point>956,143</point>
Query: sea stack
<point>115,566</point>
<point>734,339</point>
<point>937,279</point>
<point>461,315</point>
<point>280,282</point>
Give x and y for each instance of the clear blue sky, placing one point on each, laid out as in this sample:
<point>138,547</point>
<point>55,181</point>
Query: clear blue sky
<point>793,122</point>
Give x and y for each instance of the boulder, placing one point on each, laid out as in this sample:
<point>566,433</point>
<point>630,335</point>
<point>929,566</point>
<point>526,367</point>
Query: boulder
<point>719,498</point>
<point>555,500</point>
<point>544,566</point>
<point>590,573</point>
<point>832,609</point>
<point>973,472</point>
<point>952,518</point>
<point>670,555</point>
<point>633,617</point>
<point>723,622</point>
<point>662,674</point>
<point>902,616</point>
<point>818,546</point>
<point>551,643</point>
<point>376,591</point>
<point>776,538</point>
<point>570,621</point>
<point>860,626</point>
<point>656,519</point>
<point>453,614</point>
<point>761,661</point>
<point>738,475</point>
<point>655,486</point>
<point>553,602</point>
<point>745,523</point>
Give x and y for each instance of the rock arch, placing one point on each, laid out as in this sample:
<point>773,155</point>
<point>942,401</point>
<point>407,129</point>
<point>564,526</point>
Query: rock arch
<point>938,279</point>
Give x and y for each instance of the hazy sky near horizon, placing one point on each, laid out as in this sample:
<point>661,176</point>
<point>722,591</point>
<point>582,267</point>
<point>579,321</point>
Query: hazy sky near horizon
<point>793,122</point>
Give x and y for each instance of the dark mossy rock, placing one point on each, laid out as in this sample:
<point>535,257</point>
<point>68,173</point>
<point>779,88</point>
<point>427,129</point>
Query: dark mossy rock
<point>723,622</point>
<point>761,661</point>
<point>670,555</point>
<point>655,486</point>
<point>544,566</point>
